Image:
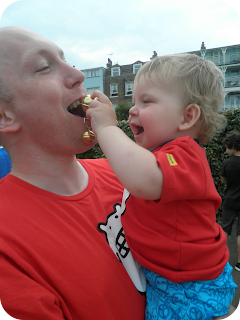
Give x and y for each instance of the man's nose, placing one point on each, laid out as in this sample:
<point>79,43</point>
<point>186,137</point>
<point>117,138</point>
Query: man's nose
<point>74,77</point>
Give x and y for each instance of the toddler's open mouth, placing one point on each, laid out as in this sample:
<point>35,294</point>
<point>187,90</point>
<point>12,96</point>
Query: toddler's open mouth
<point>139,130</point>
<point>136,130</point>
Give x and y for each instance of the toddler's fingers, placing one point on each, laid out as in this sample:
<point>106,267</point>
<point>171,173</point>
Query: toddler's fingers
<point>101,97</point>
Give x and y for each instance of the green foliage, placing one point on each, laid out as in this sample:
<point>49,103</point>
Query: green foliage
<point>93,153</point>
<point>122,111</point>
<point>96,151</point>
<point>124,125</point>
<point>215,150</point>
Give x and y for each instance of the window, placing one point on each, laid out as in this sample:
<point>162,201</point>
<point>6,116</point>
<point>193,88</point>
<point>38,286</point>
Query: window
<point>90,90</point>
<point>113,90</point>
<point>210,56</point>
<point>136,67</point>
<point>92,73</point>
<point>233,78</point>
<point>115,71</point>
<point>235,101</point>
<point>128,88</point>
<point>234,55</point>
<point>235,75</point>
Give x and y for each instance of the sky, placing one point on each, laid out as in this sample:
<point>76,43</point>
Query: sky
<point>91,31</point>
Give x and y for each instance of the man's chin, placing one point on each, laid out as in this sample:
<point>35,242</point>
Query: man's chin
<point>86,146</point>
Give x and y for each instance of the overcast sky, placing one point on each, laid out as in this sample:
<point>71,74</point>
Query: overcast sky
<point>91,31</point>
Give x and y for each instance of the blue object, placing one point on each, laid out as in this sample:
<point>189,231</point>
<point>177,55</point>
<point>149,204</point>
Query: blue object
<point>5,163</point>
<point>196,300</point>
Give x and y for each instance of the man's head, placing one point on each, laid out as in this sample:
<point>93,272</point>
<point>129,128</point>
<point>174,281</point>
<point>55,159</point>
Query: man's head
<point>37,87</point>
<point>196,81</point>
<point>232,142</point>
<point>5,95</point>
<point>9,36</point>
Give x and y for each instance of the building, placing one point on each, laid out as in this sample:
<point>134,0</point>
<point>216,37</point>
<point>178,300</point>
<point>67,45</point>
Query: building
<point>228,60</point>
<point>118,81</point>
<point>93,79</point>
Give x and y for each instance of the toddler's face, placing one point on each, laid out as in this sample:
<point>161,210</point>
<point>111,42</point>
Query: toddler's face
<point>156,113</point>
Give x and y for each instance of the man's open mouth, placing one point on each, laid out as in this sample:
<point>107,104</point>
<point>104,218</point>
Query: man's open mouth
<point>76,109</point>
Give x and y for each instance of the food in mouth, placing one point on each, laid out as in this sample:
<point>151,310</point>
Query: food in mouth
<point>79,107</point>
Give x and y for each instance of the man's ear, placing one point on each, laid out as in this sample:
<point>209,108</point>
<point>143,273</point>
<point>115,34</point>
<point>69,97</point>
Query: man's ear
<point>8,119</point>
<point>190,117</point>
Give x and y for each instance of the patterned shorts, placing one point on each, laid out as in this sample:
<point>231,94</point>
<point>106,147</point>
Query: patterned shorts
<point>195,300</point>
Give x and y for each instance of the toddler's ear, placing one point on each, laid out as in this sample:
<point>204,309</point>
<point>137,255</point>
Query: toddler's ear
<point>8,119</point>
<point>190,117</point>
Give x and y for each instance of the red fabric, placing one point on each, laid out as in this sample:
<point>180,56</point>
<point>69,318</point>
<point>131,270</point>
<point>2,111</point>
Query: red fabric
<point>54,263</point>
<point>178,237</point>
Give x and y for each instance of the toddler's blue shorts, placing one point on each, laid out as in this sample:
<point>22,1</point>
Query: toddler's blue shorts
<point>194,300</point>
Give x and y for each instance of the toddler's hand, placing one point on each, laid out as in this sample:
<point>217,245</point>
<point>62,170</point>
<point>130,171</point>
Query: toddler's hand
<point>101,112</point>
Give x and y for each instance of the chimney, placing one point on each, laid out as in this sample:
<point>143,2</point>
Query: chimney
<point>203,46</point>
<point>109,64</point>
<point>154,55</point>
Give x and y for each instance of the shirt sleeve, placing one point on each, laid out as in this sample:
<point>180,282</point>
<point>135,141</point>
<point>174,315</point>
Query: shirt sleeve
<point>185,172</point>
<point>223,174</point>
<point>21,296</point>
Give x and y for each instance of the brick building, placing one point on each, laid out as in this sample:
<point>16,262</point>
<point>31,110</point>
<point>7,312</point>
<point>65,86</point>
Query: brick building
<point>118,81</point>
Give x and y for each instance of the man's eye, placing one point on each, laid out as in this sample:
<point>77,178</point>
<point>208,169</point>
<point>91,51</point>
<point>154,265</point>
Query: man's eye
<point>43,68</point>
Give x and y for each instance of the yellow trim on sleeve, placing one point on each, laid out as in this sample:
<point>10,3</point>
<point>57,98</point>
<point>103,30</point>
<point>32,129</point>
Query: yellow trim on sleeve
<point>171,160</point>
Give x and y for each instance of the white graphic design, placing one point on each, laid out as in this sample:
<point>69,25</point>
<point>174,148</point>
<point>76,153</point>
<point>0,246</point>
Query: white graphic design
<point>115,236</point>
<point>4,315</point>
<point>4,4</point>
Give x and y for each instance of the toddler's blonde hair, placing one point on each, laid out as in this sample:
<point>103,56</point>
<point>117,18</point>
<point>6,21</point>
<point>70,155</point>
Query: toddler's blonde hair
<point>199,82</point>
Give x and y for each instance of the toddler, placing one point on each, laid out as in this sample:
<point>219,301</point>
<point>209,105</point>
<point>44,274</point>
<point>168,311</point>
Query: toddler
<point>170,218</point>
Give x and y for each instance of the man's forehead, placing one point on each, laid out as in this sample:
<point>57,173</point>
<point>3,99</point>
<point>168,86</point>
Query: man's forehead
<point>11,32</point>
<point>20,49</point>
<point>23,39</point>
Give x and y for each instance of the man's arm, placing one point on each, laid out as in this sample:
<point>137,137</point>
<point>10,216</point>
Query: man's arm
<point>24,298</point>
<point>135,167</point>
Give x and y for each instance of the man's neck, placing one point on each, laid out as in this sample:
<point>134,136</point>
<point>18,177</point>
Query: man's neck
<point>236,153</point>
<point>64,177</point>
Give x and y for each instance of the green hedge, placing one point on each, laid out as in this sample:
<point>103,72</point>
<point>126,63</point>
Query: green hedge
<point>214,150</point>
<point>96,152</point>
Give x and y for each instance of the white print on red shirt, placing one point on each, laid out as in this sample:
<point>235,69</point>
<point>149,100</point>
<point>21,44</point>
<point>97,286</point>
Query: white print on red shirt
<point>116,239</point>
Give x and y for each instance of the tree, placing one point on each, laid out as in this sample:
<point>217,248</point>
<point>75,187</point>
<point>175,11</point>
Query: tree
<point>122,111</point>
<point>216,152</point>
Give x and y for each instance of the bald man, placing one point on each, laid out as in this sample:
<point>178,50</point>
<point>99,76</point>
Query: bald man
<point>54,262</point>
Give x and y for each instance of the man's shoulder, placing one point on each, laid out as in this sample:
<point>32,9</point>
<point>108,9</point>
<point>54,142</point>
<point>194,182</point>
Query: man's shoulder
<point>101,169</point>
<point>95,164</point>
<point>232,159</point>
